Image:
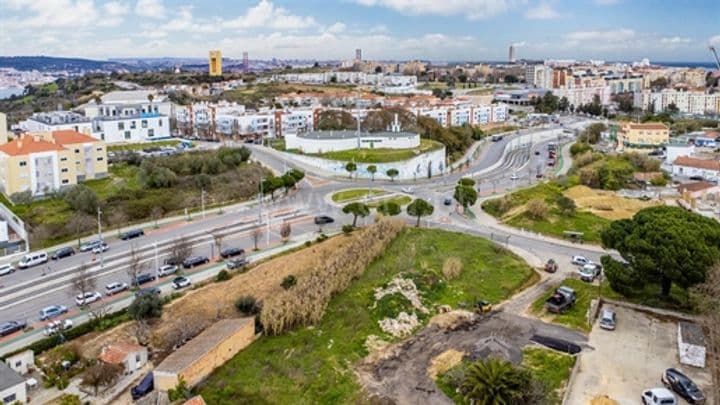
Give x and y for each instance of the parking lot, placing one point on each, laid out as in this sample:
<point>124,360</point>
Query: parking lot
<point>623,363</point>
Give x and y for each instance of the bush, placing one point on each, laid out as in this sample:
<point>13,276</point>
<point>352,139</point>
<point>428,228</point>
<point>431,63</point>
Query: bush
<point>566,205</point>
<point>583,159</point>
<point>347,229</point>
<point>308,243</point>
<point>579,147</point>
<point>659,181</point>
<point>452,268</point>
<point>537,209</point>
<point>466,181</point>
<point>248,305</point>
<point>222,275</point>
<point>81,198</point>
<point>288,282</point>
<point>146,307</point>
<point>23,197</point>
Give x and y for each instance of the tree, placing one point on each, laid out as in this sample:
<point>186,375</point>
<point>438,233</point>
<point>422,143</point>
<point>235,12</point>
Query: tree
<point>78,223</point>
<point>83,282</point>
<point>672,108</point>
<point>465,195</point>
<point>336,120</point>
<point>419,208</point>
<point>496,382</point>
<point>510,79</point>
<point>270,184</point>
<point>389,208</point>
<point>101,374</point>
<point>81,198</point>
<point>156,213</point>
<point>288,181</point>
<point>135,265</point>
<point>537,208</point>
<point>665,245</point>
<point>466,181</point>
<point>659,83</point>
<point>563,104</point>
<point>350,167</point>
<point>372,169</point>
<point>255,234</point>
<point>145,307</point>
<point>566,205</point>
<point>392,173</point>
<point>285,230</point>
<point>180,249</point>
<point>357,209</point>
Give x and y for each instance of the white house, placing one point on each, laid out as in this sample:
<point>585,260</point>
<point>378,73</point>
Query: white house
<point>22,362</point>
<point>12,386</point>
<point>130,356</point>
<point>688,166</point>
<point>56,121</point>
<point>130,116</point>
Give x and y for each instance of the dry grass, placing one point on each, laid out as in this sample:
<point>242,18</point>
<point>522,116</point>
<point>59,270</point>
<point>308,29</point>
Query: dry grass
<point>603,401</point>
<point>444,362</point>
<point>452,268</point>
<point>606,204</point>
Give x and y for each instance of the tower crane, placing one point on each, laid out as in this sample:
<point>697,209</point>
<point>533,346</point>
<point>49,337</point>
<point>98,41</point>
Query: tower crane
<point>717,60</point>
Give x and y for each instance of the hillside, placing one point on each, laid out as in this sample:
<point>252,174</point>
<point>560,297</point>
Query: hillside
<point>47,63</point>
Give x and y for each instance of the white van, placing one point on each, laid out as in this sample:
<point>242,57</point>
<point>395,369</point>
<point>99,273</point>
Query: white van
<point>33,259</point>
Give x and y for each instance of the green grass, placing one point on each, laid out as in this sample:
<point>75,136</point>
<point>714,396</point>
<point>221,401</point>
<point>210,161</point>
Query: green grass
<point>399,200</point>
<point>315,365</point>
<point>480,92</point>
<point>500,129</point>
<point>278,144</point>
<point>141,146</point>
<point>357,193</point>
<point>381,155</point>
<point>551,367</point>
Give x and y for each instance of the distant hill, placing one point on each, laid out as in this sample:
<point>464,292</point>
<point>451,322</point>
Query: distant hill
<point>47,63</point>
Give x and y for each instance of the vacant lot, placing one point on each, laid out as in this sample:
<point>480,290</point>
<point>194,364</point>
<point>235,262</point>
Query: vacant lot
<point>630,359</point>
<point>316,364</point>
<point>381,155</point>
<point>606,204</point>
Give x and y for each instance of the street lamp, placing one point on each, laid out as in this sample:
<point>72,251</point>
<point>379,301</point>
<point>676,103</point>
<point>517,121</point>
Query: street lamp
<point>99,212</point>
<point>202,202</point>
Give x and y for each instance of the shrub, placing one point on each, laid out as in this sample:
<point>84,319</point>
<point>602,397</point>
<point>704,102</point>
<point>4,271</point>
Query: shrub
<point>583,159</point>
<point>248,305</point>
<point>466,181</point>
<point>23,197</point>
<point>145,307</point>
<point>308,243</point>
<point>659,181</point>
<point>566,205</point>
<point>579,147</point>
<point>347,229</point>
<point>537,208</point>
<point>81,198</point>
<point>288,282</point>
<point>452,268</point>
<point>222,275</point>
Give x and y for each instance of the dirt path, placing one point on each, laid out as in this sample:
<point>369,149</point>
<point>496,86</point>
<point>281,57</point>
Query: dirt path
<point>399,373</point>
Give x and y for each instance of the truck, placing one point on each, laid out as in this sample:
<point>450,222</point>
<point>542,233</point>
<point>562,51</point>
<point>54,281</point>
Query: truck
<point>561,300</point>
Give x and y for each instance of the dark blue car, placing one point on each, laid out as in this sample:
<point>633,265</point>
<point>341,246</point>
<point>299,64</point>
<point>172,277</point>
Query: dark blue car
<point>146,385</point>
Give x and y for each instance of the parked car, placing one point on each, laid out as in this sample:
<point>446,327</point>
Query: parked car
<point>231,251</point>
<point>590,272</point>
<point>683,386</point>
<point>143,278</point>
<point>63,252</point>
<point>537,152</point>
<point>100,248</point>
<point>323,219</point>
<point>167,270</point>
<point>116,287</point>
<point>52,311</point>
<point>9,327</point>
<point>193,261</point>
<point>88,246</point>
<point>87,298</point>
<point>57,326</point>
<point>131,234</point>
<point>447,201</point>
<point>148,291</point>
<point>580,260</point>
<point>180,282</point>
<point>698,178</point>
<point>658,396</point>
<point>514,177</point>
<point>408,190</point>
<point>551,266</point>
<point>561,300</point>
<point>236,263</point>
<point>6,269</point>
<point>145,387</point>
<point>608,319</point>
<point>33,259</point>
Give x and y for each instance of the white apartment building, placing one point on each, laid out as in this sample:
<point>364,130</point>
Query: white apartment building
<point>362,78</point>
<point>583,95</point>
<point>56,121</point>
<point>688,102</point>
<point>539,76</point>
<point>457,115</point>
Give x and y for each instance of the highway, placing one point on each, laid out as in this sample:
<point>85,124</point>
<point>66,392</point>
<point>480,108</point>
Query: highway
<point>25,292</point>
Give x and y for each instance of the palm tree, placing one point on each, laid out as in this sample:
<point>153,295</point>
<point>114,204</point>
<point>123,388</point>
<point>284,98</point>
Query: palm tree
<point>494,382</point>
<point>150,98</point>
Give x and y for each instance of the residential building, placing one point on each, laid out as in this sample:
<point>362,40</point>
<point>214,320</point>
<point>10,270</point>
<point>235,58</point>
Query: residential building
<point>578,96</point>
<point>215,63</point>
<point>511,54</point>
<point>130,357</point>
<point>623,84</point>
<point>130,116</point>
<point>12,386</point>
<point>56,121</point>
<point>689,166</point>
<point>44,162</point>
<point>22,363</point>
<point>358,54</point>
<point>642,137</point>
<point>3,128</point>
<point>688,102</point>
<point>539,76</point>
<point>199,357</point>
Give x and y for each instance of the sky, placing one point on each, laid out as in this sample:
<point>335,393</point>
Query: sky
<point>437,30</point>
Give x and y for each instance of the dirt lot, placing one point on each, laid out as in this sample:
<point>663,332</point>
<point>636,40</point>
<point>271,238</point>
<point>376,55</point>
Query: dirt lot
<point>606,204</point>
<point>629,360</point>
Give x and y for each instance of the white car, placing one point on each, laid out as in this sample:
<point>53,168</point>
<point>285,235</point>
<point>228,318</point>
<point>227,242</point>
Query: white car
<point>167,270</point>
<point>100,248</point>
<point>56,326</point>
<point>180,282</point>
<point>580,260</point>
<point>6,269</point>
<point>87,298</point>
<point>514,177</point>
<point>116,287</point>
<point>658,396</point>
<point>408,190</point>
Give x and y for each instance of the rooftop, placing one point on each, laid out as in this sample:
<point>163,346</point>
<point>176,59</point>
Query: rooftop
<point>131,96</point>
<point>59,117</point>
<point>695,186</point>
<point>27,144</point>
<point>118,352</point>
<point>648,125</point>
<point>8,377</point>
<point>66,137</point>
<point>697,163</point>
<point>202,344</point>
<point>347,134</point>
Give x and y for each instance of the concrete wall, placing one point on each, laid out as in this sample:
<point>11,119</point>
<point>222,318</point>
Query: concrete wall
<point>310,145</point>
<point>21,362</point>
<point>11,395</point>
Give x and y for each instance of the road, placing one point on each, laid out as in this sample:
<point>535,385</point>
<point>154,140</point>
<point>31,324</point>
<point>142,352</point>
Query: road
<point>25,292</point>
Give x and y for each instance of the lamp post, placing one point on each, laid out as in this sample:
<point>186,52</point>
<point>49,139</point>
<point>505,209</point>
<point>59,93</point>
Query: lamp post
<point>99,212</point>
<point>202,202</point>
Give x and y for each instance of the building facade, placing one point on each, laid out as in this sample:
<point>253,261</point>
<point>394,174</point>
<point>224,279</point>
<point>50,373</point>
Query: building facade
<point>56,121</point>
<point>12,386</point>
<point>642,137</point>
<point>130,116</point>
<point>688,102</point>
<point>130,357</point>
<point>215,63</point>
<point>688,166</point>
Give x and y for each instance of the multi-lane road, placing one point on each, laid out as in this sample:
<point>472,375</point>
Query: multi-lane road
<point>509,163</point>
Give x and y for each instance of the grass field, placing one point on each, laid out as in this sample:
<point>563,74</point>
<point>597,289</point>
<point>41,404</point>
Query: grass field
<point>356,193</point>
<point>607,204</point>
<point>399,200</point>
<point>381,155</point>
<point>141,146</point>
<point>315,365</point>
<point>481,91</point>
<point>551,367</point>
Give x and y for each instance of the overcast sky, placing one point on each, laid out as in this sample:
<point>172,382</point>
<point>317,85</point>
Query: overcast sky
<point>661,30</point>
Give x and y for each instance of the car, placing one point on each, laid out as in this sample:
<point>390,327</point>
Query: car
<point>231,251</point>
<point>6,269</point>
<point>696,177</point>
<point>100,248</point>
<point>193,261</point>
<point>608,319</point>
<point>580,260</point>
<point>323,219</point>
<point>537,152</point>
<point>145,386</point>
<point>33,259</point>
<point>408,190</point>
<point>63,252</point>
<point>9,327</point>
<point>143,278</point>
<point>683,386</point>
<point>88,246</point>
<point>447,201</point>
<point>132,234</point>
<point>658,396</point>
<point>167,270</point>
<point>87,298</point>
<point>539,176</point>
<point>57,326</point>
<point>173,261</point>
<point>590,272</point>
<point>180,282</point>
<point>148,291</point>
<point>514,177</point>
<point>236,263</point>
<point>52,311</point>
<point>116,287</point>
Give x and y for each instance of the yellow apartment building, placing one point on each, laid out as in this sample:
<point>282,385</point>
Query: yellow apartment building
<point>215,63</point>
<point>642,137</point>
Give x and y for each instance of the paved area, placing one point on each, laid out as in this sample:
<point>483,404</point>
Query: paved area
<point>630,359</point>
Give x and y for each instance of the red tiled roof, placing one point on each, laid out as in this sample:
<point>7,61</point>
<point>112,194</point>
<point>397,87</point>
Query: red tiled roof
<point>646,176</point>
<point>116,353</point>
<point>69,136</point>
<point>28,144</point>
<point>198,400</point>
<point>648,125</point>
<point>697,163</point>
<point>693,187</point>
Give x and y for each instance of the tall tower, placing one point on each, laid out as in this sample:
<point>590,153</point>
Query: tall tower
<point>358,54</point>
<point>215,63</point>
<point>511,56</point>
<point>246,62</point>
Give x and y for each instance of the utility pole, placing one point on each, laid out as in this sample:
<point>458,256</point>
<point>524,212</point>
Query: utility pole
<point>260,199</point>
<point>202,201</point>
<point>99,212</point>
<point>267,233</point>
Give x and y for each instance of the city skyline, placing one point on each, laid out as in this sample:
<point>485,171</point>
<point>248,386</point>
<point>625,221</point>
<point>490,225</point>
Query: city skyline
<point>383,29</point>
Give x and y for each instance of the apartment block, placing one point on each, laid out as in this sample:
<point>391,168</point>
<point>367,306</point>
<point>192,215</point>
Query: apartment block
<point>688,102</point>
<point>642,137</point>
<point>130,116</point>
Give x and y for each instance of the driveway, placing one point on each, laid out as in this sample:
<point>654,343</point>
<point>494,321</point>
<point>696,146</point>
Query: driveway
<point>630,359</point>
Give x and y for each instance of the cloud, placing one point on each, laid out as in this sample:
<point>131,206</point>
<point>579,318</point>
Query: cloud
<point>542,11</point>
<point>266,15</point>
<point>519,44</point>
<point>150,8</point>
<point>473,9</point>
<point>336,28</point>
<point>113,13</point>
<point>51,14</point>
<point>618,35</point>
<point>184,21</point>
<point>675,41</point>
<point>715,40</point>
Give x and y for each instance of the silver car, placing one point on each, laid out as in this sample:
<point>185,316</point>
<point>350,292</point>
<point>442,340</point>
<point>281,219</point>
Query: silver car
<point>608,319</point>
<point>116,287</point>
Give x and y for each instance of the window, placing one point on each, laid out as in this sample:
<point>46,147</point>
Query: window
<point>137,358</point>
<point>100,159</point>
<point>151,132</point>
<point>144,123</point>
<point>66,181</point>
<point>121,126</point>
<point>18,363</point>
<point>65,170</point>
<point>63,159</point>
<point>133,125</point>
<point>99,149</point>
<point>127,134</point>
<point>77,150</point>
<point>10,398</point>
<point>23,163</point>
<point>159,123</point>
